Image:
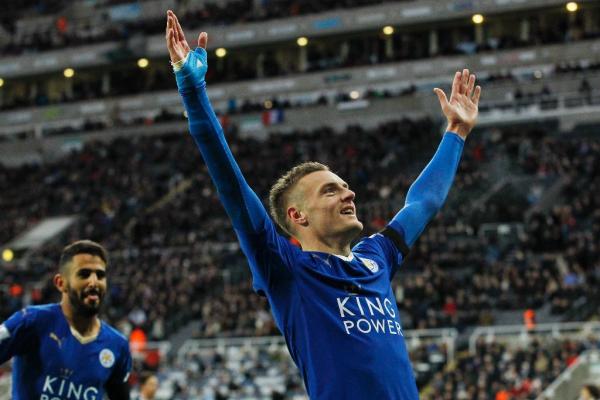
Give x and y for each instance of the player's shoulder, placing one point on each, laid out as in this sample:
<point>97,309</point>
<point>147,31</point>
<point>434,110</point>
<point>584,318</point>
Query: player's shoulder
<point>41,313</point>
<point>369,242</point>
<point>114,335</point>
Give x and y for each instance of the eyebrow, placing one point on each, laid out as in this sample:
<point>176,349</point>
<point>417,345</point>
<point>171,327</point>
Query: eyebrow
<point>91,269</point>
<point>332,184</point>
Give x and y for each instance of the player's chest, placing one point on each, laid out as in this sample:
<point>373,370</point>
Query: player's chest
<point>67,360</point>
<point>355,276</point>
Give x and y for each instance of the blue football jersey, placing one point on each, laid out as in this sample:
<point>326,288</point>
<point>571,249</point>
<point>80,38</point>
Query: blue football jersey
<point>338,315</point>
<point>51,363</point>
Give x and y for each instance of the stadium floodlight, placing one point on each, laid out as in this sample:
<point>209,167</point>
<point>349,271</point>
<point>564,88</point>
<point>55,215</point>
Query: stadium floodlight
<point>69,72</point>
<point>477,19</point>
<point>354,95</point>
<point>302,41</point>
<point>143,62</point>
<point>221,52</point>
<point>8,255</point>
<point>388,30</point>
<point>572,6</point>
<point>1,82</point>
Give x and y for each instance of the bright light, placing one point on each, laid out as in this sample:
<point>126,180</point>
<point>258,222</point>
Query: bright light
<point>354,94</point>
<point>1,82</point>
<point>388,30</point>
<point>302,41</point>
<point>8,255</point>
<point>572,6</point>
<point>221,52</point>
<point>68,72</point>
<point>268,104</point>
<point>477,19</point>
<point>143,62</point>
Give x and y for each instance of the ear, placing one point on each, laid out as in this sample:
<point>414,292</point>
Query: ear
<point>59,282</point>
<point>297,216</point>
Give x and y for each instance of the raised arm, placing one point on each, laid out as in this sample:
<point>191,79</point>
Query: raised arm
<point>429,191</point>
<point>241,203</point>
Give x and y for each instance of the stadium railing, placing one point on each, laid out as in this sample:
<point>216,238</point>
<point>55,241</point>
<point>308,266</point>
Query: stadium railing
<point>520,335</point>
<point>567,386</point>
<point>413,339</point>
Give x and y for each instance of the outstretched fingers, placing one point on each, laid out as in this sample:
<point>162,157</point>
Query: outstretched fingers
<point>203,40</point>
<point>464,81</point>
<point>178,29</point>
<point>477,95</point>
<point>456,85</point>
<point>470,86</point>
<point>442,97</point>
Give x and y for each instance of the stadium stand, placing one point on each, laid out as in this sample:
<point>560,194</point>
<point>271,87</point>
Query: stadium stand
<point>519,230</point>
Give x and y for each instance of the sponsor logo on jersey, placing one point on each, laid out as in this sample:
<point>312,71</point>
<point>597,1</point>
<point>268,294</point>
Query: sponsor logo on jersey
<point>368,315</point>
<point>370,264</point>
<point>57,388</point>
<point>4,333</point>
<point>107,358</point>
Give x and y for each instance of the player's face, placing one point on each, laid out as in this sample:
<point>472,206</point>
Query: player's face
<point>329,205</point>
<point>86,284</point>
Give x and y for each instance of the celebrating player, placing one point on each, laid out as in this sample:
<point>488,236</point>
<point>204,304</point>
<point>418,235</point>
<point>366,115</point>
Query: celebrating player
<point>64,351</point>
<point>334,304</point>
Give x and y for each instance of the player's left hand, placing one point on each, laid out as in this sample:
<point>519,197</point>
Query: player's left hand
<point>462,108</point>
<point>176,43</point>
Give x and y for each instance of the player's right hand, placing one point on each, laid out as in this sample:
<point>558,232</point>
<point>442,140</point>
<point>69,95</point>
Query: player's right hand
<point>176,43</point>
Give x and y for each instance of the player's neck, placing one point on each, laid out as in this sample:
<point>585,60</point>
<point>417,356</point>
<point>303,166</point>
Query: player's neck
<point>340,247</point>
<point>84,325</point>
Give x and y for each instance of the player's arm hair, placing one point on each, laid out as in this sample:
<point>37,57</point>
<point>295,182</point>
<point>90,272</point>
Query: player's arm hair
<point>428,192</point>
<point>117,390</point>
<point>241,203</point>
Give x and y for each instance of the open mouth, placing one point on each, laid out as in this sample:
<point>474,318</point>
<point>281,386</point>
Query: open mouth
<point>92,296</point>
<point>349,210</point>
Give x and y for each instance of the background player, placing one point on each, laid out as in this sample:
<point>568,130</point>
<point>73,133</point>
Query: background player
<point>64,351</point>
<point>333,303</point>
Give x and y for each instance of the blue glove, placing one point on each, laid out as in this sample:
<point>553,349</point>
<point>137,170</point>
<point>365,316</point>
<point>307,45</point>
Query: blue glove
<point>193,71</point>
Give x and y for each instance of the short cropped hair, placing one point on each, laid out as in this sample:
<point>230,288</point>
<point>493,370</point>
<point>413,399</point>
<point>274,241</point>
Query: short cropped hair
<point>82,247</point>
<point>279,195</point>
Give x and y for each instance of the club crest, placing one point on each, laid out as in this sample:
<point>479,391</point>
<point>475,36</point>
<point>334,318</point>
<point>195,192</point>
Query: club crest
<point>107,358</point>
<point>370,264</point>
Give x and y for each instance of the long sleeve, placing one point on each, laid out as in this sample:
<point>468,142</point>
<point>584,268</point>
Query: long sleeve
<point>268,252</point>
<point>428,192</point>
<point>246,211</point>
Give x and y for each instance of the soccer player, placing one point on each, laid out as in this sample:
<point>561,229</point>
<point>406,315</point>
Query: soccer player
<point>333,303</point>
<point>64,351</point>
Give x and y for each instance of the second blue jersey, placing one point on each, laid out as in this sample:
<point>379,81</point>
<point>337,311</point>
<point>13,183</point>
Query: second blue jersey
<point>50,363</point>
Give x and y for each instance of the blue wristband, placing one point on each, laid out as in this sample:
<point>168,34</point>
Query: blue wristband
<point>192,73</point>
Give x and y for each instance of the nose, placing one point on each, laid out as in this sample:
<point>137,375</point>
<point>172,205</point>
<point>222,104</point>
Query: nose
<point>93,280</point>
<point>348,195</point>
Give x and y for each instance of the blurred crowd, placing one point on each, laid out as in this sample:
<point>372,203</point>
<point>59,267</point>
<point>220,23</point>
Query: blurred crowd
<point>151,202</point>
<point>63,32</point>
<point>259,369</point>
<point>507,372</point>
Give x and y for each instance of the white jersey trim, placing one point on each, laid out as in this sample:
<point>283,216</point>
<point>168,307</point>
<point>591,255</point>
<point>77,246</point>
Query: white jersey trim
<point>346,258</point>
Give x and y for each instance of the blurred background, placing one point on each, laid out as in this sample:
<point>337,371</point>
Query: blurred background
<point>499,297</point>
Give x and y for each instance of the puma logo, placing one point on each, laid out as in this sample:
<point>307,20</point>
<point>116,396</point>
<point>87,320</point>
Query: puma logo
<point>53,336</point>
